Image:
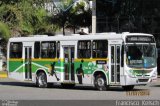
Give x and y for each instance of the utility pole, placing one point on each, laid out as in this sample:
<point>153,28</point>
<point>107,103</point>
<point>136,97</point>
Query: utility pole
<point>93,7</point>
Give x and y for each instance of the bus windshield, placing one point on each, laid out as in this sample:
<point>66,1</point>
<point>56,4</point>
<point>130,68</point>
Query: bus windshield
<point>141,55</point>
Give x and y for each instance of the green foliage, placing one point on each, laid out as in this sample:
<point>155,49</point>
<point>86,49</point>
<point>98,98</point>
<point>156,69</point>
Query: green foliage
<point>4,31</point>
<point>25,17</point>
<point>72,15</point>
<point>80,16</point>
<point>65,5</point>
<point>79,8</point>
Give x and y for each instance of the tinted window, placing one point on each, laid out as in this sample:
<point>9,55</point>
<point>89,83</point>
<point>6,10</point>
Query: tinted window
<point>84,49</point>
<point>100,49</point>
<point>48,49</point>
<point>16,50</point>
<point>37,50</point>
<point>58,49</point>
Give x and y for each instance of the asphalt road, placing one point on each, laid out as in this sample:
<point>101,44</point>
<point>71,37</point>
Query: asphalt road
<point>13,90</point>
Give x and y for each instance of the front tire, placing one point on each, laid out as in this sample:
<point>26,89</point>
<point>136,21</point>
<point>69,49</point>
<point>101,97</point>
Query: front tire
<point>42,80</point>
<point>100,83</point>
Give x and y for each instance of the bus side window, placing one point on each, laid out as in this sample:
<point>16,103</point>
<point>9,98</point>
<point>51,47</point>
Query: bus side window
<point>44,47</point>
<point>122,56</point>
<point>52,50</point>
<point>100,49</point>
<point>48,49</point>
<point>84,49</point>
<point>58,49</point>
<point>16,50</point>
<point>87,53</point>
<point>37,50</point>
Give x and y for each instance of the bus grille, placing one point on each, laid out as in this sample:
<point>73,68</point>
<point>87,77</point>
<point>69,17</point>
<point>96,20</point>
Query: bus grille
<point>143,80</point>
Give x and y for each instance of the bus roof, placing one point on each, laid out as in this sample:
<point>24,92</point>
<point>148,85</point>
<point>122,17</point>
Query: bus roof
<point>96,36</point>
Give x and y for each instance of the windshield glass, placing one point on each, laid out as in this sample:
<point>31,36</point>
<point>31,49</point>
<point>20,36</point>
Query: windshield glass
<point>141,56</point>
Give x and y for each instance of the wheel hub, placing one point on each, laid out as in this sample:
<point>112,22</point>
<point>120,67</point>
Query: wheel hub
<point>100,82</point>
<point>41,80</point>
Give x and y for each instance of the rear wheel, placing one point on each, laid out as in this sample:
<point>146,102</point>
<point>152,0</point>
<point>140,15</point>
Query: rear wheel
<point>42,80</point>
<point>100,83</point>
<point>128,87</point>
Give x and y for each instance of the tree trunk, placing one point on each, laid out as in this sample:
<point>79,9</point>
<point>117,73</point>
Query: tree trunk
<point>63,30</point>
<point>74,29</point>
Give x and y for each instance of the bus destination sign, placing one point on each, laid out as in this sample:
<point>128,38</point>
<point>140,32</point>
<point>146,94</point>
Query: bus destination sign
<point>140,39</point>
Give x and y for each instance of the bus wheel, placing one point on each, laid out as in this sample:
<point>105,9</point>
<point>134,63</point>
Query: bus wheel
<point>100,83</point>
<point>128,87</point>
<point>42,80</point>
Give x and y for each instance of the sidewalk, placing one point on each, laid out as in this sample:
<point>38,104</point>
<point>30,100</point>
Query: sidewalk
<point>3,74</point>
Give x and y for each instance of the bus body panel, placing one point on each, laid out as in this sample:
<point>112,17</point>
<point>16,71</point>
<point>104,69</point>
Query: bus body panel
<point>69,68</point>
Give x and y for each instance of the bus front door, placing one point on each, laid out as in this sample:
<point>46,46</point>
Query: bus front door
<point>28,67</point>
<point>69,63</point>
<point>115,63</point>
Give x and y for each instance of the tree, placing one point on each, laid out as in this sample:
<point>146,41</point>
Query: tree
<point>62,17</point>
<point>80,15</point>
<point>25,17</point>
<point>4,31</point>
<point>72,15</point>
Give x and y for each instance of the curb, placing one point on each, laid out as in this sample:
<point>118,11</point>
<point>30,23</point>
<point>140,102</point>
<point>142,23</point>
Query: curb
<point>3,75</point>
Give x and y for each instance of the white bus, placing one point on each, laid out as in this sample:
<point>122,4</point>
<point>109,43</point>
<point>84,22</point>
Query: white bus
<point>101,59</point>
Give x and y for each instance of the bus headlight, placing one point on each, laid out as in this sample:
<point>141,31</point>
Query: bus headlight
<point>154,74</point>
<point>130,74</point>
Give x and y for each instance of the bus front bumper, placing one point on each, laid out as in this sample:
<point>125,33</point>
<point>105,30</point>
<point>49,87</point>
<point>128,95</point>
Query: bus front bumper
<point>139,80</point>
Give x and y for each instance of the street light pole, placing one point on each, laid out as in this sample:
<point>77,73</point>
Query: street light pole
<point>93,7</point>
